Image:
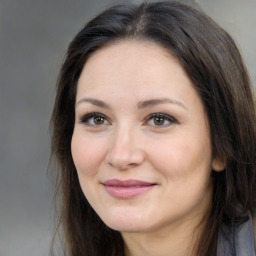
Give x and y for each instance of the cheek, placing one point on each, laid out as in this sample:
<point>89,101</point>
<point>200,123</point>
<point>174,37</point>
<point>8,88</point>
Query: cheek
<point>182,155</point>
<point>87,154</point>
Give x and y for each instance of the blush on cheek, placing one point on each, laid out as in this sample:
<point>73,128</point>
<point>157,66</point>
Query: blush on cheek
<point>86,155</point>
<point>173,155</point>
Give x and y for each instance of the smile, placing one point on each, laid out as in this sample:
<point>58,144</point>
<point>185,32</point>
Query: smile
<point>128,188</point>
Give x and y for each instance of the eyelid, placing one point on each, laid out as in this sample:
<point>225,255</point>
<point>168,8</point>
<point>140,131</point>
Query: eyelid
<point>86,117</point>
<point>167,117</point>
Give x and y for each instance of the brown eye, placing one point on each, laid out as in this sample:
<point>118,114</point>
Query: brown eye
<point>94,119</point>
<point>159,121</point>
<point>99,120</point>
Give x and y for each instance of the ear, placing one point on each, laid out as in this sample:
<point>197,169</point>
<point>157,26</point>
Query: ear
<point>218,164</point>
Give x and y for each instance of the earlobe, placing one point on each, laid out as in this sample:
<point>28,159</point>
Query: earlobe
<point>218,164</point>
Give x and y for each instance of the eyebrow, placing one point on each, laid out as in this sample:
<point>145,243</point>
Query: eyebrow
<point>141,104</point>
<point>95,102</point>
<point>153,102</point>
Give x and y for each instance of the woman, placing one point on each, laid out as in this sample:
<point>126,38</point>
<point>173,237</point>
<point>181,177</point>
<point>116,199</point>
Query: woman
<point>154,136</point>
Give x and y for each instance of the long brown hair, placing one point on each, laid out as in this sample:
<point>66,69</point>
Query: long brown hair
<point>211,59</point>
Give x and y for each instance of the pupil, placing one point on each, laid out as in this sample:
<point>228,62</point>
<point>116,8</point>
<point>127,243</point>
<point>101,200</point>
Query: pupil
<point>159,120</point>
<point>98,120</point>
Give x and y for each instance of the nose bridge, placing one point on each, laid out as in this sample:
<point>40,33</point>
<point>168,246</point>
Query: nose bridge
<point>124,151</point>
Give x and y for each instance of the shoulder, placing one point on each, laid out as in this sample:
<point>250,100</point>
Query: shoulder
<point>234,239</point>
<point>254,229</point>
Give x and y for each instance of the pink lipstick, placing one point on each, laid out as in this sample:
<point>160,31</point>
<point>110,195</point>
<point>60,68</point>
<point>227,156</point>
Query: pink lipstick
<point>128,188</point>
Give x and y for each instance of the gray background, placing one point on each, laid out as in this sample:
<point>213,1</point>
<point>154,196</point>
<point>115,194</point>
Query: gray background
<point>33,38</point>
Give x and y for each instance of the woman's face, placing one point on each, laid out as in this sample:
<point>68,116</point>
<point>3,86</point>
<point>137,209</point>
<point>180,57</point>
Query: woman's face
<point>141,142</point>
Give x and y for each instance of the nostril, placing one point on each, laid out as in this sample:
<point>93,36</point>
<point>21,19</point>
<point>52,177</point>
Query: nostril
<point>125,161</point>
<point>132,165</point>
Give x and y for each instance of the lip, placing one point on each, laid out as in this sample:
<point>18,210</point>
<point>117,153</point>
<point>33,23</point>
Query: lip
<point>125,189</point>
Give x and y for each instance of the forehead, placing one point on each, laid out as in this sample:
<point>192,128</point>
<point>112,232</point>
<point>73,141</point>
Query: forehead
<point>133,45</point>
<point>132,60</point>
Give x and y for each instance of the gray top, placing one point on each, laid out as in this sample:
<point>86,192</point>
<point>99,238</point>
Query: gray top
<point>237,241</point>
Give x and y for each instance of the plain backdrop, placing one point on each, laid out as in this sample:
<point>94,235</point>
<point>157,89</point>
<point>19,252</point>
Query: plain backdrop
<point>34,36</point>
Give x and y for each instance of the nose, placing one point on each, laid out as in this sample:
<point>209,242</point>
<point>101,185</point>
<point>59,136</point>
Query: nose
<point>125,150</point>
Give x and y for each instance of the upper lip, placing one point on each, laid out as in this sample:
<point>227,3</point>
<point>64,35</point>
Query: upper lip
<point>127,183</point>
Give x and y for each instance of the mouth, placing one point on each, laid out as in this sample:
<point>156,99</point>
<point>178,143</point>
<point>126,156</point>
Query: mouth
<point>128,188</point>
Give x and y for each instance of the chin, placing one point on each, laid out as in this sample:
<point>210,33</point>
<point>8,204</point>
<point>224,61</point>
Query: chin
<point>125,227</point>
<point>123,223</point>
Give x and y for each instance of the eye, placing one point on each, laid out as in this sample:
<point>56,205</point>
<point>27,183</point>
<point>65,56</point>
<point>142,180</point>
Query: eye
<point>160,120</point>
<point>94,119</point>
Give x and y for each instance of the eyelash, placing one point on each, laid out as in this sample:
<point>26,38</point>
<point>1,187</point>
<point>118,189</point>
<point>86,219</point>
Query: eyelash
<point>164,117</point>
<point>86,118</point>
<point>171,120</point>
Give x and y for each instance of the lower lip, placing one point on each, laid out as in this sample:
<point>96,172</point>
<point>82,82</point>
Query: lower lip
<point>128,192</point>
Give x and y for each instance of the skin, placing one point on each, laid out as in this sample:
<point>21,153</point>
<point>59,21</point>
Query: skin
<point>125,142</point>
